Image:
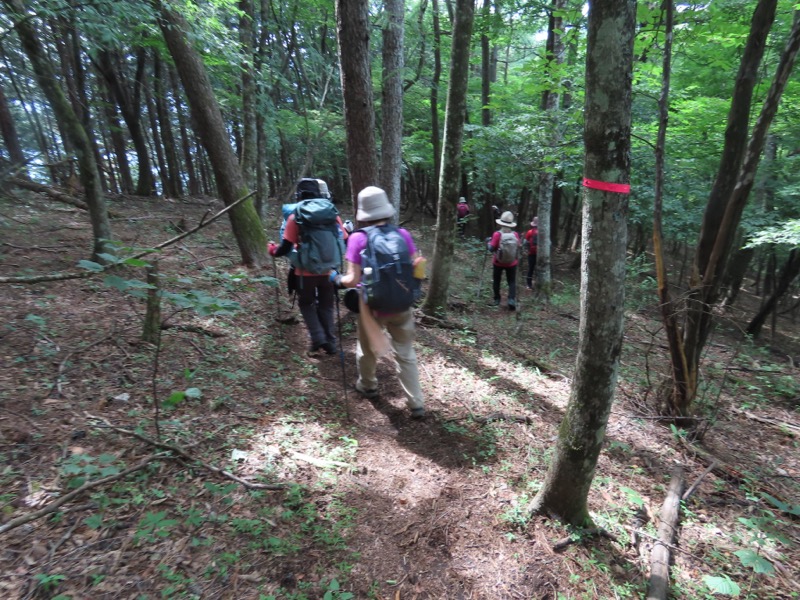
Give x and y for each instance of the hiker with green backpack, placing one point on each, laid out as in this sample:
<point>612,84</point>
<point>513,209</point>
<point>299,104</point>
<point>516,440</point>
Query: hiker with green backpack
<point>315,230</point>
<point>505,245</point>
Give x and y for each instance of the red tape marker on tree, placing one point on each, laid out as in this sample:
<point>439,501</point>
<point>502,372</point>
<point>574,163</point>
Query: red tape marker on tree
<point>620,188</point>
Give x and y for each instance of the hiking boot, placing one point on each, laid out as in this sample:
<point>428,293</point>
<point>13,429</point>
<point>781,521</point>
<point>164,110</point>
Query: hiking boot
<point>418,413</point>
<point>328,348</point>
<point>369,394</point>
<point>496,302</point>
<point>512,304</point>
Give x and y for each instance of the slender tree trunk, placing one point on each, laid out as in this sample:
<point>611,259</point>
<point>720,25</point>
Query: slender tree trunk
<point>392,105</point>
<point>118,144</point>
<point>129,105</point>
<point>10,137</point>
<point>550,98</point>
<point>789,272</point>
<point>450,178</point>
<point>436,79</point>
<point>609,65</point>
<point>353,31</point>
<point>173,187</point>
<point>87,167</point>
<point>244,220</point>
<point>186,144</point>
<point>249,141</point>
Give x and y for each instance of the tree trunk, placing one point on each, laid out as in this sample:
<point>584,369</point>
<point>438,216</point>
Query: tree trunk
<point>173,188</point>
<point>790,271</point>
<point>353,31</point>
<point>195,187</point>
<point>118,143</point>
<point>609,64</point>
<point>437,77</point>
<point>10,137</point>
<point>129,105</point>
<point>392,105</point>
<point>71,125</point>
<point>205,110</point>
<point>249,141</point>
<point>724,212</point>
<point>450,178</point>
<point>550,97</point>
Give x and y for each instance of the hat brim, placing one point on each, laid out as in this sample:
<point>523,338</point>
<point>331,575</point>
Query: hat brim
<point>504,224</point>
<point>382,212</point>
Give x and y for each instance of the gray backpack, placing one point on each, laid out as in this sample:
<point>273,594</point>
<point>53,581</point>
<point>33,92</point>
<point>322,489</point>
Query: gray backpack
<point>508,249</point>
<point>321,246</point>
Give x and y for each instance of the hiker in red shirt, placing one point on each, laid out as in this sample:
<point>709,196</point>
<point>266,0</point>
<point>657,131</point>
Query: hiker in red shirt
<point>531,243</point>
<point>505,244</point>
<point>462,211</point>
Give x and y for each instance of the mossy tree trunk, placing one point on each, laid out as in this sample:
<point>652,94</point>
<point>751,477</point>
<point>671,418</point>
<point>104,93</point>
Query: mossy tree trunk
<point>245,223</point>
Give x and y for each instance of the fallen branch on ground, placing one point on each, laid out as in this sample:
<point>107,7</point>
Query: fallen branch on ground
<point>184,454</point>
<point>659,558</point>
<point>51,507</point>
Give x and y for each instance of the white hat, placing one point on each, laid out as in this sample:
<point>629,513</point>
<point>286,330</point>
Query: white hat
<point>506,219</point>
<point>462,199</point>
<point>535,222</point>
<point>373,205</point>
<point>323,189</point>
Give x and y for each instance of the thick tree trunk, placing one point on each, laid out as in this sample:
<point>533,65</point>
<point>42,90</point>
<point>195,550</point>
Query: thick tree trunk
<point>724,211</point>
<point>450,178</point>
<point>244,221</point>
<point>392,105</point>
<point>609,66</point>
<point>353,31</point>
<point>71,125</point>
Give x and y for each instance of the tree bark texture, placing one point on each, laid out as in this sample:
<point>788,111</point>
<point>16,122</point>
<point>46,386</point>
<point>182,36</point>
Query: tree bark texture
<point>249,141</point>
<point>607,126</point>
<point>353,31</point>
<point>10,136</point>
<point>437,77</point>
<point>450,178</point>
<point>71,125</point>
<point>206,114</point>
<point>392,105</point>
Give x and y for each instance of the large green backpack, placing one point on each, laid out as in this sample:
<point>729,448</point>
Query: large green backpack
<point>321,245</point>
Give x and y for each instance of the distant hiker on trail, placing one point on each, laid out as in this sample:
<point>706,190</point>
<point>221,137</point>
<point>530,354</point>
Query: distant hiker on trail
<point>505,245</point>
<point>531,243</point>
<point>316,232</point>
<point>382,262</point>
<point>462,212</point>
<point>495,212</point>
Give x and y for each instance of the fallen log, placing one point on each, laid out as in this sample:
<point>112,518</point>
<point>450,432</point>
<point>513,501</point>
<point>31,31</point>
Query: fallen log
<point>658,585</point>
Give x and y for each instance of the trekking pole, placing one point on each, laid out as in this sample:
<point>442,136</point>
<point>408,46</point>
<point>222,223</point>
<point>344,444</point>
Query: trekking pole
<point>483,269</point>
<point>277,292</point>
<point>341,357</point>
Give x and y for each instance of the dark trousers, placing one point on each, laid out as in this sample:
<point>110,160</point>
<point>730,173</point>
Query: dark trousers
<point>531,269</point>
<point>511,278</point>
<point>315,299</point>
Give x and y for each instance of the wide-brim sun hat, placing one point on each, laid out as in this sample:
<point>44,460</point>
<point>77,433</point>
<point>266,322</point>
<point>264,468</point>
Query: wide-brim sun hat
<point>506,220</point>
<point>373,205</point>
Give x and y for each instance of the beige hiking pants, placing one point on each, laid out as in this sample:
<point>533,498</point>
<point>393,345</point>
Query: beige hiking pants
<point>401,330</point>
